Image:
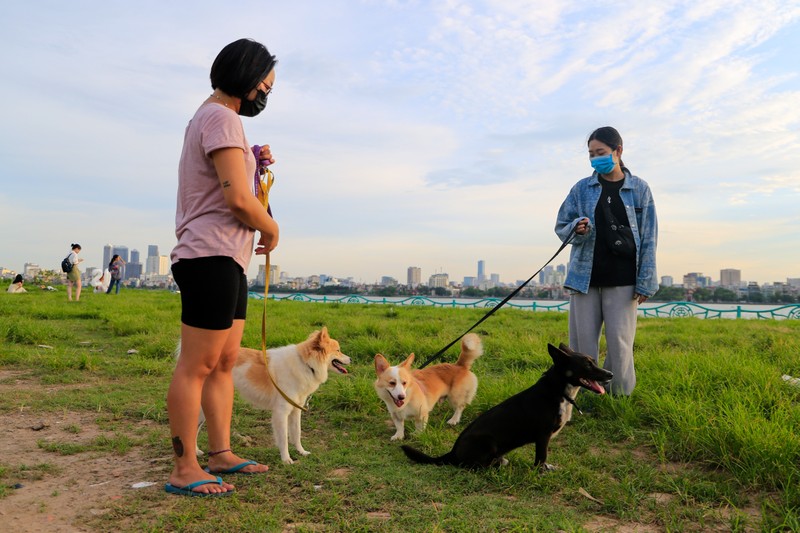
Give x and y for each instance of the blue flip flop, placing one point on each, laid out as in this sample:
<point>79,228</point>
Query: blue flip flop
<point>187,490</point>
<point>236,469</point>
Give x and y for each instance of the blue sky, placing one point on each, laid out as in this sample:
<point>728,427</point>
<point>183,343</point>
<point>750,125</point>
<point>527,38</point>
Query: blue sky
<point>430,134</point>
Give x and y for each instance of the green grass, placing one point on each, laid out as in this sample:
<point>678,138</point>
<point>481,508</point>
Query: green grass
<point>710,434</point>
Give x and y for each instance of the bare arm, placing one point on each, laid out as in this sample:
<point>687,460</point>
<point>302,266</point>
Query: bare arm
<point>232,174</point>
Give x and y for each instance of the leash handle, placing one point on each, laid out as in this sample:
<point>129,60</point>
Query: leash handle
<point>505,300</point>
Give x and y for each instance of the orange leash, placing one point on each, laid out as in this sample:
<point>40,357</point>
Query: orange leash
<point>264,185</point>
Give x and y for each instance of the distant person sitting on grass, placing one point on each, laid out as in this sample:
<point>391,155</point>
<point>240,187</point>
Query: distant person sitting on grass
<point>16,285</point>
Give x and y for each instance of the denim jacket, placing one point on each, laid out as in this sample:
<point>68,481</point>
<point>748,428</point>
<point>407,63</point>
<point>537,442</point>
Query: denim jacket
<point>581,203</point>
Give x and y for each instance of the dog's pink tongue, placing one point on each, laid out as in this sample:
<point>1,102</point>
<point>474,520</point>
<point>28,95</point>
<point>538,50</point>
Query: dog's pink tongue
<point>594,386</point>
<point>399,403</point>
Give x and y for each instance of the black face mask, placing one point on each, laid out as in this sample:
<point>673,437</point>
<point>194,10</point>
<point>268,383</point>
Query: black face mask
<point>251,108</point>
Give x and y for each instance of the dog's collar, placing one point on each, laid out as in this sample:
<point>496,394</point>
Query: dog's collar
<point>570,400</point>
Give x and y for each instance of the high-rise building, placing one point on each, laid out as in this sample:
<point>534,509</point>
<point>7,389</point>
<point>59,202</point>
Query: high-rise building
<point>414,277</point>
<point>133,270</point>
<point>274,274</point>
<point>107,251</point>
<point>30,270</point>
<point>667,281</point>
<point>163,265</point>
<point>151,267</point>
<point>121,251</point>
<point>481,271</point>
<point>438,280</point>
<point>152,264</point>
<point>388,281</point>
<point>546,273</point>
<point>730,277</point>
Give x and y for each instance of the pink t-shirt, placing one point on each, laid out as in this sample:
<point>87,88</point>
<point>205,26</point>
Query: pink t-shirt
<point>204,224</point>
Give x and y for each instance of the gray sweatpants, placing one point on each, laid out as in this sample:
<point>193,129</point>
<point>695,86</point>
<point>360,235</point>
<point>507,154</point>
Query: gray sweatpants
<point>616,307</point>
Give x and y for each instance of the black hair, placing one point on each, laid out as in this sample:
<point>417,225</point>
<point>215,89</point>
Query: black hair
<point>114,258</point>
<point>240,67</point>
<point>18,279</point>
<point>75,245</point>
<point>608,136</point>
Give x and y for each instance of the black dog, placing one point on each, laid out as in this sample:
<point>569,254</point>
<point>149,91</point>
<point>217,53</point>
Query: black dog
<point>534,415</point>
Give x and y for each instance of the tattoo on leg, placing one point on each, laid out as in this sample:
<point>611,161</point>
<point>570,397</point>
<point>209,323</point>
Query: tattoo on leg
<point>177,445</point>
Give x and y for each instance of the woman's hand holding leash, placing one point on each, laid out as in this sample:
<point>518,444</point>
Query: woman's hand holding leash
<point>266,243</point>
<point>583,226</point>
<point>265,156</point>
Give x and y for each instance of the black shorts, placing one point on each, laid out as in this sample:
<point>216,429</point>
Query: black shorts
<point>213,291</point>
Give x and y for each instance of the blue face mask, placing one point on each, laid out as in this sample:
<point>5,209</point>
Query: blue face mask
<point>603,164</point>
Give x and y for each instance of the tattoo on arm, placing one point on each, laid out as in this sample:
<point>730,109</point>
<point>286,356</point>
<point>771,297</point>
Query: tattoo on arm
<point>177,445</point>
<point>226,184</point>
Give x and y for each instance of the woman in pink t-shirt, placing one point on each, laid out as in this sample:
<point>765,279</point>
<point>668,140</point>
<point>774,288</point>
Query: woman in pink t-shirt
<point>216,218</point>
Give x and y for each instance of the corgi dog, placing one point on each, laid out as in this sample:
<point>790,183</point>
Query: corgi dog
<point>298,370</point>
<point>411,394</point>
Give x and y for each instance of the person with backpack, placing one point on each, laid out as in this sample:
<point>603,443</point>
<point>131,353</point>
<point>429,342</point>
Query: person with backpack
<point>74,273</point>
<point>115,269</point>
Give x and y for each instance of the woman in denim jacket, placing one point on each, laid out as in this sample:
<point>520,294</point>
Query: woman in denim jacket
<point>608,283</point>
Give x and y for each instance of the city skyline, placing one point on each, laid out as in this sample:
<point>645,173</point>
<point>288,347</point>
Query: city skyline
<point>412,133</point>
<point>480,267</point>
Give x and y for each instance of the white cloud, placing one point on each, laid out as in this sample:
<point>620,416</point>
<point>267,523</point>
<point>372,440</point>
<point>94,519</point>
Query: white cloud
<point>406,133</point>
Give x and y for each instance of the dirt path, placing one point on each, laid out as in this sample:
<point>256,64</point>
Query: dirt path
<point>61,492</point>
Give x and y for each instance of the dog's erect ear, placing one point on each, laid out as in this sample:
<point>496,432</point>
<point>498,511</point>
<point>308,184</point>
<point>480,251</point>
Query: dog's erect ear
<point>323,333</point>
<point>381,364</point>
<point>315,337</point>
<point>409,361</point>
<point>566,349</point>
<point>558,355</point>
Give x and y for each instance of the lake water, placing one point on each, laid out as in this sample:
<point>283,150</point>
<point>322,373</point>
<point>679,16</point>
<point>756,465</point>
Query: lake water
<point>648,309</point>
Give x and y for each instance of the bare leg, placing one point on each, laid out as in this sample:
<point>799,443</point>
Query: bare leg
<point>200,353</point>
<point>217,402</point>
<point>69,291</point>
<point>78,290</point>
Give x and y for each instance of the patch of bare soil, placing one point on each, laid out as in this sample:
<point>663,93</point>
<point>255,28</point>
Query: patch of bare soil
<point>56,493</point>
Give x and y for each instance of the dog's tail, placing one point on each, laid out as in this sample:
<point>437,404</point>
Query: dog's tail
<point>471,349</point>
<point>419,457</point>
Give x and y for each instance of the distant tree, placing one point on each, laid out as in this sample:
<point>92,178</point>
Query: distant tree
<point>724,295</point>
<point>48,277</point>
<point>755,297</point>
<point>702,295</point>
<point>669,294</point>
<point>441,291</point>
<point>472,292</point>
<point>390,290</point>
<point>498,292</point>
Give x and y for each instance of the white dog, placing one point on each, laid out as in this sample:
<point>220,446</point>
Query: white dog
<point>298,370</point>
